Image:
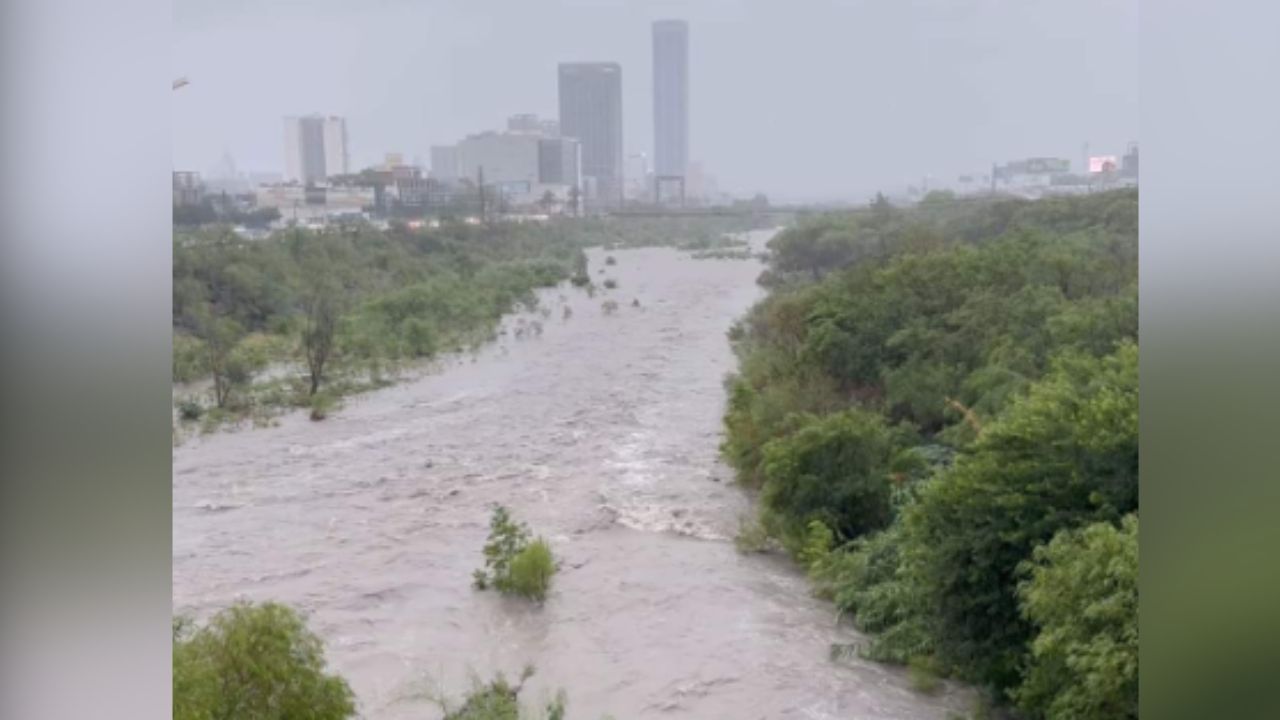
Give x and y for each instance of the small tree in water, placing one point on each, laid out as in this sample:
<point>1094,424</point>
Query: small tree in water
<point>513,564</point>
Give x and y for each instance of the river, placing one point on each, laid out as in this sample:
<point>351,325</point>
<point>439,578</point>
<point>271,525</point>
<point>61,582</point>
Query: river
<point>601,432</point>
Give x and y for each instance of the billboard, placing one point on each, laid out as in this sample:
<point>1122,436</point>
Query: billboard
<point>1102,163</point>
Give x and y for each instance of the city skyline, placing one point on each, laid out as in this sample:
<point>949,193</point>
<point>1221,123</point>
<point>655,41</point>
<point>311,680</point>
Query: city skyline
<point>774,89</point>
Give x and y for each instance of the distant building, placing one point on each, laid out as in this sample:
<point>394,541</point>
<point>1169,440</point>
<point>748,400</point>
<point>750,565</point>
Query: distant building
<point>531,123</point>
<point>444,163</point>
<point>506,158</point>
<point>591,112</point>
<point>524,122</point>
<point>1129,163</point>
<point>304,204</point>
<point>560,161</point>
<point>638,176</point>
<point>671,98</point>
<point>337,160</point>
<point>1036,172</point>
<point>187,189</point>
<point>304,149</point>
<point>315,148</point>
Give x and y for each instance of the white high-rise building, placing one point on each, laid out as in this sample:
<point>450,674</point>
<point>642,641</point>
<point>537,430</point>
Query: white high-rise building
<point>337,161</point>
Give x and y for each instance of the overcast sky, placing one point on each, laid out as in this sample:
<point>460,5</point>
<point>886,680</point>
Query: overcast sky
<point>819,99</point>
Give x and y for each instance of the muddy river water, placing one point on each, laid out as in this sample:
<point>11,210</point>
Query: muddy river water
<point>601,432</point>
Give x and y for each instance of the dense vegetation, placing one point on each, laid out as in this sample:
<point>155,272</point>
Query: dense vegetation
<point>338,310</point>
<point>939,406</point>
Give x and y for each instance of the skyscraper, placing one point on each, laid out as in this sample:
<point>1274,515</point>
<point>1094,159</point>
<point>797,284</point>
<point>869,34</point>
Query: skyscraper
<point>336,160</point>
<point>591,112</point>
<point>315,148</point>
<point>671,98</point>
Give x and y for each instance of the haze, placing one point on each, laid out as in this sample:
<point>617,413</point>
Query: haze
<point>834,102</point>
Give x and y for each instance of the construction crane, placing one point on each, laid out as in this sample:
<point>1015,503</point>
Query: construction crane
<point>180,82</point>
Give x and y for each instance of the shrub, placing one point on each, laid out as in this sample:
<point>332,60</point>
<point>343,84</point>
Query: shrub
<point>923,673</point>
<point>531,570</point>
<point>818,541</point>
<point>498,699</point>
<point>190,409</point>
<point>611,260</point>
<point>610,284</point>
<point>514,565</point>
<point>256,661</point>
<point>321,405</point>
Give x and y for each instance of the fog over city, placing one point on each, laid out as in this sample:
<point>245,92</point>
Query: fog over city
<point>832,103</point>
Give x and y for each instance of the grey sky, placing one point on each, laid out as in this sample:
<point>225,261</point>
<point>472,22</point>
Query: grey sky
<point>797,99</point>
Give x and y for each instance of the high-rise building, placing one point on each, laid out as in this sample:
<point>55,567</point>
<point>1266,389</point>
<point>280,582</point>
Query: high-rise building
<point>315,148</point>
<point>671,98</point>
<point>444,163</point>
<point>591,113</point>
<point>336,159</point>
<point>304,149</point>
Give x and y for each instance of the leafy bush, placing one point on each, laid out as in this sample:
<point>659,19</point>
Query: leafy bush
<point>610,284</point>
<point>322,403</point>
<point>1081,593</point>
<point>834,470</point>
<point>498,699</point>
<point>190,358</point>
<point>514,564</point>
<point>190,409</point>
<point>257,661</point>
<point>531,571</point>
<point>610,260</point>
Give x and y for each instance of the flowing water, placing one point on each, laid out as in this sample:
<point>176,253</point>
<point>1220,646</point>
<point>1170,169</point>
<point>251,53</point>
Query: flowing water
<point>601,432</point>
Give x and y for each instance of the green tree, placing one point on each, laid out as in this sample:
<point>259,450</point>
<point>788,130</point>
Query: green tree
<point>322,308</point>
<point>833,469</point>
<point>1081,594</point>
<point>220,335</point>
<point>254,661</point>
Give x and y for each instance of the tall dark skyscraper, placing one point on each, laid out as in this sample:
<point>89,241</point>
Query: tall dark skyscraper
<point>591,112</point>
<point>671,98</point>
